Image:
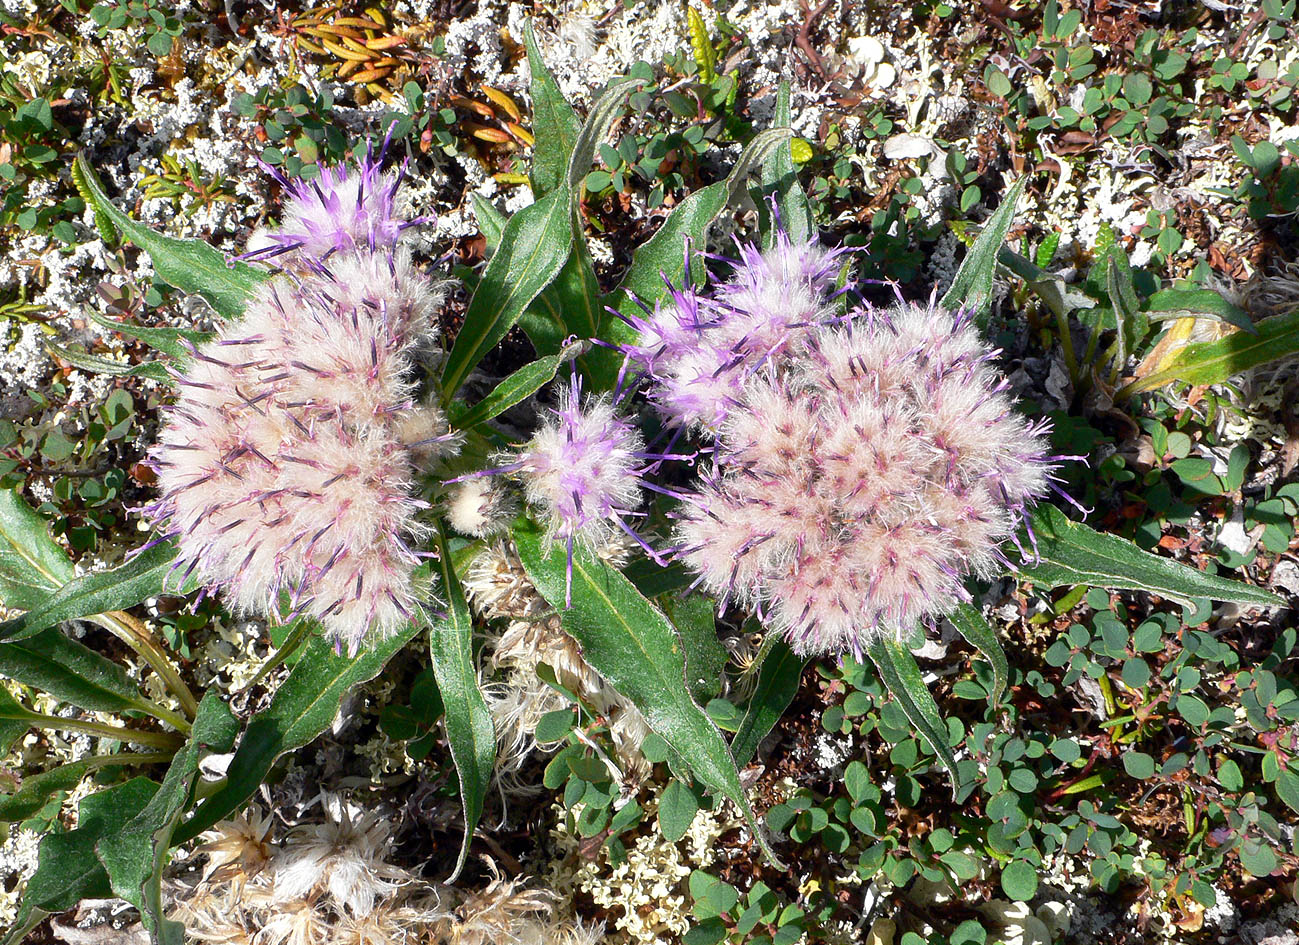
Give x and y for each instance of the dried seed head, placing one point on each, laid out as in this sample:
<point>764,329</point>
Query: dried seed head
<point>862,476</point>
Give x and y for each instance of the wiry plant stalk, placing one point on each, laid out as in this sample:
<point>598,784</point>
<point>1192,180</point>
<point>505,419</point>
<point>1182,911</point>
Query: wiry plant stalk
<point>135,635</point>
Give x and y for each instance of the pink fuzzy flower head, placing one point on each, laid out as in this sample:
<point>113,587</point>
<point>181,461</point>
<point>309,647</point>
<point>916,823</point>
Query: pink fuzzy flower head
<point>699,350</point>
<point>343,209</point>
<point>582,471</point>
<point>285,467</point>
<point>860,478</point>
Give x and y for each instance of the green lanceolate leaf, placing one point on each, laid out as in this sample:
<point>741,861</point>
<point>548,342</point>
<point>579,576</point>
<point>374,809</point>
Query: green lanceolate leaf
<point>779,672</point>
<point>572,301</point>
<point>898,670</point>
<point>303,707</point>
<point>663,256</point>
<point>491,222</point>
<point>515,389</point>
<point>142,577</point>
<point>695,621</point>
<point>1060,297</point>
<point>14,722</point>
<point>606,110</point>
<point>1071,553</point>
<point>1131,322</point>
<point>70,672</point>
<point>173,342</point>
<point>1212,362</point>
<point>554,123</point>
<point>533,248</point>
<point>32,565</point>
<point>970,624</point>
<point>38,788</point>
<point>470,732</point>
<point>1199,303</point>
<point>96,365</point>
<point>135,855</point>
<point>543,320</point>
<point>780,180</point>
<point>972,287</point>
<point>631,644</point>
<point>67,870</point>
<point>190,265</point>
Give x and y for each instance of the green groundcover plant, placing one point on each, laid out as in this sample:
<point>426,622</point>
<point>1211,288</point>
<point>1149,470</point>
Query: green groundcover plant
<point>846,474</point>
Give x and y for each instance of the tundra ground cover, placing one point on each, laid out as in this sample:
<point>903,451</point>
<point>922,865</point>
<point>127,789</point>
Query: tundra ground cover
<point>1128,773</point>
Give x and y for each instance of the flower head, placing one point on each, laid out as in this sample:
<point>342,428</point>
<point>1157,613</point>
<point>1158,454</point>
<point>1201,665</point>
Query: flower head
<point>701,349</point>
<point>480,507</point>
<point>286,464</point>
<point>582,471</point>
<point>861,477</point>
<point>341,209</point>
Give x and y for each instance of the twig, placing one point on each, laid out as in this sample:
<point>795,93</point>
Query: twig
<point>803,42</point>
<point>1250,25</point>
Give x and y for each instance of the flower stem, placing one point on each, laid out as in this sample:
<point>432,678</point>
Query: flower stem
<point>135,635</point>
<point>104,730</point>
<point>1066,344</point>
<point>128,758</point>
<point>294,640</point>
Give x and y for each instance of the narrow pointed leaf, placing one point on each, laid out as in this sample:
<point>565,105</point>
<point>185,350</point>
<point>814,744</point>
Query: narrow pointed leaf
<point>1130,321</point>
<point>303,707</point>
<point>66,868</point>
<point>899,672</point>
<point>515,389</point>
<point>555,125</point>
<point>1171,304</point>
<point>14,722</point>
<point>662,256</point>
<point>468,721</point>
<point>135,855</point>
<point>190,265</point>
<point>32,565</point>
<point>533,248</point>
<point>173,342</point>
<point>1213,362</point>
<point>972,287</point>
<point>70,672</point>
<point>780,179</point>
<point>606,110</point>
<point>98,592</point>
<point>491,222</point>
<point>632,645</point>
<point>39,788</point>
<point>781,669</point>
<point>970,624</point>
<point>695,619</point>
<point>97,365</point>
<point>543,320</point>
<point>1071,553</point>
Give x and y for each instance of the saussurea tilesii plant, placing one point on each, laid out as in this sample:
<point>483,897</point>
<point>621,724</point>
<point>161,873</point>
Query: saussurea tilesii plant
<point>622,633</point>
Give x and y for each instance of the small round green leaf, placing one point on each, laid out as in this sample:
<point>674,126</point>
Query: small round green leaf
<point>1019,880</point>
<point>1139,765</point>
